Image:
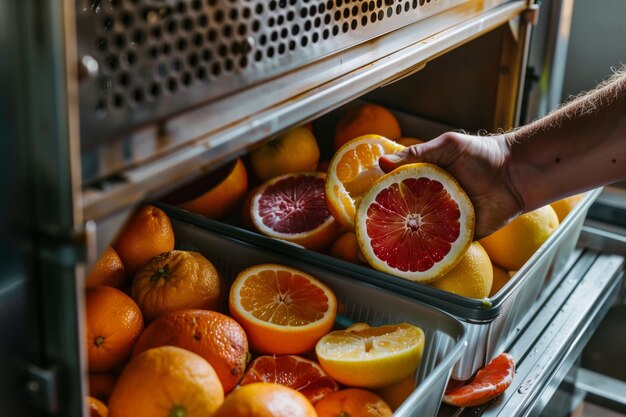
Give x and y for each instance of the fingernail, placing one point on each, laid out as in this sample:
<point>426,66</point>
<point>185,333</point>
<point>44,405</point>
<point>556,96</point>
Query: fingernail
<point>393,158</point>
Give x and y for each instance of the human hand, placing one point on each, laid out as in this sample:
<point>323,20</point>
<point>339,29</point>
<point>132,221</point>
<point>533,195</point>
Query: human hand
<point>479,164</point>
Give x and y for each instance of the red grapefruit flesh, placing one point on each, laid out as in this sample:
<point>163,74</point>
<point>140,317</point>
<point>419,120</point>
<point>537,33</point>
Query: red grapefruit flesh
<point>488,383</point>
<point>415,222</point>
<point>293,371</point>
<point>292,207</point>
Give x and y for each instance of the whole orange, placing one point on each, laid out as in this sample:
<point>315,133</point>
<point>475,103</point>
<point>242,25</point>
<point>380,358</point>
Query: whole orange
<point>167,381</point>
<point>346,247</point>
<point>176,280</point>
<point>101,385</point>
<point>114,323</point>
<point>294,151</point>
<point>368,119</point>
<point>108,270</point>
<point>219,201</point>
<point>216,337</point>
<point>265,399</point>
<point>97,408</point>
<point>408,141</point>
<point>147,234</point>
<point>352,402</point>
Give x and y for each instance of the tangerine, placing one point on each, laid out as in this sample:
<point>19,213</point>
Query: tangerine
<point>147,234</point>
<point>265,399</point>
<point>368,119</point>
<point>114,323</point>
<point>108,271</point>
<point>215,337</point>
<point>167,381</point>
<point>176,280</point>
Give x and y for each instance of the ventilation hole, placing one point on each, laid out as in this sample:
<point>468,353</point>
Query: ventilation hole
<point>320,9</point>
<point>259,8</point>
<point>222,50</point>
<point>188,24</point>
<point>216,69</point>
<point>325,34</point>
<point>307,25</point>
<point>415,4</point>
<point>152,52</point>
<point>186,79</point>
<point>201,74</point>
<point>271,21</point>
<point>280,20</point>
<point>107,23</point>
<point>398,9</point>
<point>212,35</point>
<point>364,7</point>
<point>172,85</point>
<point>295,29</point>
<point>292,45</point>
<point>339,3</point>
<point>228,65</point>
<point>171,26</point>
<point>177,65</point>
<point>389,11</point>
<point>313,10</point>
<point>379,3</point>
<point>101,44</point>
<point>233,14</point>
<point>166,49</point>
<point>422,2</point>
<point>327,19</point>
<point>281,48</point>
<point>138,37</point>
<point>138,95</point>
<point>258,55</point>
<point>207,55</point>
<point>181,44</point>
<point>256,25</point>
<point>272,5</point>
<point>227,30</point>
<point>155,90</point>
<point>345,27</point>
<point>196,5</point>
<point>317,22</point>
<point>329,4</point>
<point>270,52</point>
<point>284,33</point>
<point>192,60</point>
<point>203,20</point>
<point>364,21</point>
<point>337,15</point>
<point>407,6</point>
<point>353,24</point>
<point>335,30</point>
<point>181,7</point>
<point>243,62</point>
<point>242,29</point>
<point>274,36</point>
<point>372,6</point>
<point>197,39</point>
<point>219,16</point>
<point>118,101</point>
<point>126,19</point>
<point>303,13</point>
<point>123,79</point>
<point>346,13</point>
<point>263,39</point>
<point>304,40</point>
<point>315,37</point>
<point>112,62</point>
<point>381,15</point>
<point>246,13</point>
<point>155,32</point>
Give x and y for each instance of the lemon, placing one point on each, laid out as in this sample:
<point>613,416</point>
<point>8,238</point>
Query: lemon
<point>371,357</point>
<point>564,206</point>
<point>500,277</point>
<point>471,277</point>
<point>511,246</point>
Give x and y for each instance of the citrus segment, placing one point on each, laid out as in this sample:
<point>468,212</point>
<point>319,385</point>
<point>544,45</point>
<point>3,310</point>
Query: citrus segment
<point>282,309</point>
<point>293,208</point>
<point>353,169</point>
<point>294,372</point>
<point>167,381</point>
<point>371,357</point>
<point>352,402</point>
<point>415,222</point>
<point>488,383</point>
<point>265,399</point>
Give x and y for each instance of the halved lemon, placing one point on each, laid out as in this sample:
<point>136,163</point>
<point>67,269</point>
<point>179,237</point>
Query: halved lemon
<point>371,357</point>
<point>353,169</point>
<point>283,310</point>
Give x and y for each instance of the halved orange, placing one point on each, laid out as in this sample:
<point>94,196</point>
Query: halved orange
<point>488,383</point>
<point>353,169</point>
<point>294,372</point>
<point>415,222</point>
<point>283,310</point>
<point>292,207</point>
<point>218,200</point>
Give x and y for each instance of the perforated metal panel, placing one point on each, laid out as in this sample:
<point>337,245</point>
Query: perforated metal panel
<point>158,57</point>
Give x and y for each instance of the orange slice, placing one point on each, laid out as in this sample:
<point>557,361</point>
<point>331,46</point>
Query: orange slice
<point>488,383</point>
<point>292,207</point>
<point>415,222</point>
<point>294,372</point>
<point>353,169</point>
<point>283,310</point>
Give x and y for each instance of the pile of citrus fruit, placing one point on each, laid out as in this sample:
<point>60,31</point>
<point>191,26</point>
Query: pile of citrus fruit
<point>176,338</point>
<point>415,222</point>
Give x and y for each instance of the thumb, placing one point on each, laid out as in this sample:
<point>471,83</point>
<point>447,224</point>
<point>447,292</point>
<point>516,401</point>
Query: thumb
<point>407,155</point>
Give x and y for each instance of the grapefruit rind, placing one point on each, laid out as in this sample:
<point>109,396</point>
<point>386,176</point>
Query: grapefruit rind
<point>340,204</point>
<point>314,239</point>
<point>457,248</point>
<point>266,337</point>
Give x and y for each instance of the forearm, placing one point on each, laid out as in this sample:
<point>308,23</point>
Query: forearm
<point>578,147</point>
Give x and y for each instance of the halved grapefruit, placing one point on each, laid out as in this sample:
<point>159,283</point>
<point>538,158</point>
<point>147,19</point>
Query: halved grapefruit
<point>283,310</point>
<point>353,169</point>
<point>415,222</point>
<point>293,371</point>
<point>292,207</point>
<point>488,383</point>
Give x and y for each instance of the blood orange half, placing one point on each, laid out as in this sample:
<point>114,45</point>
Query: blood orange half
<point>292,207</point>
<point>489,382</point>
<point>415,222</point>
<point>293,371</point>
<point>284,311</point>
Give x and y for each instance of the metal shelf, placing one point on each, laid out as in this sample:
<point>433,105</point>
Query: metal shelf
<point>550,343</point>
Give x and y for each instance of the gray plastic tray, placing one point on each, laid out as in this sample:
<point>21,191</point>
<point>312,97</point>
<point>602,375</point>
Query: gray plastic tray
<point>445,336</point>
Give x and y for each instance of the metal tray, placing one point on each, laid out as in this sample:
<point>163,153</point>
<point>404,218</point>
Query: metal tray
<point>360,302</point>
